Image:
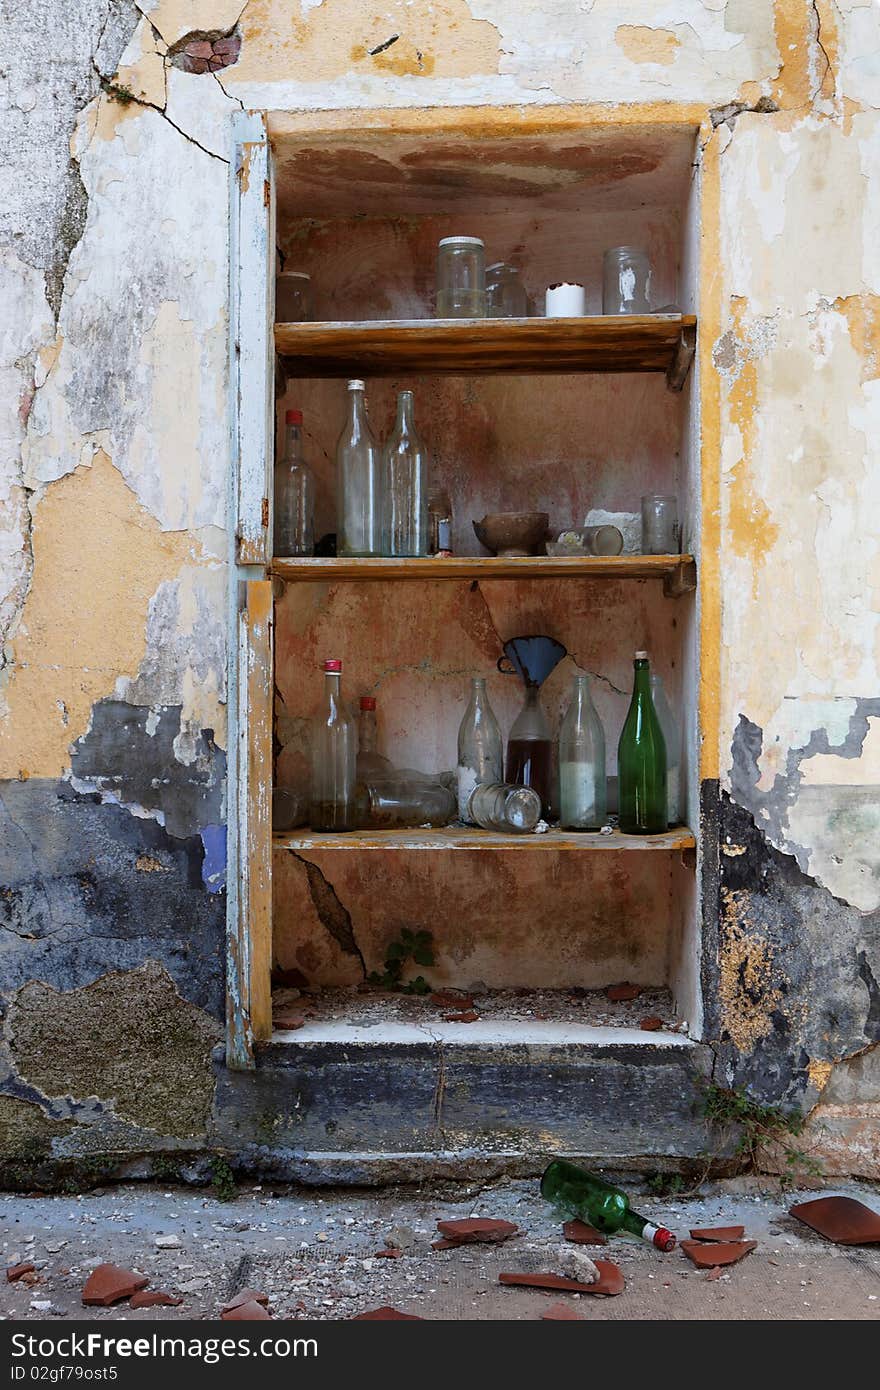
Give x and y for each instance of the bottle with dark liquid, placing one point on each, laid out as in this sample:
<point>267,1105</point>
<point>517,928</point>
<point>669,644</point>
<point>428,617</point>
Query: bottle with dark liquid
<point>530,750</point>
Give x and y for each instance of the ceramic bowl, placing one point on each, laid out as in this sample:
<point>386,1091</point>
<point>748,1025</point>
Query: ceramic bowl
<point>513,533</point>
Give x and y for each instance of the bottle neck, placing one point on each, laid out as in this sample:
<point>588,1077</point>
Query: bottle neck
<point>292,442</point>
<point>642,678</point>
<point>367,731</point>
<point>332,682</point>
<point>581,695</point>
<point>478,693</point>
<point>405,408</point>
<point>638,1225</point>
<point>357,414</point>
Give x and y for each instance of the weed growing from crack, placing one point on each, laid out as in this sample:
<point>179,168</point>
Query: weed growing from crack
<point>760,1126</point>
<point>417,945</point>
<point>223,1181</point>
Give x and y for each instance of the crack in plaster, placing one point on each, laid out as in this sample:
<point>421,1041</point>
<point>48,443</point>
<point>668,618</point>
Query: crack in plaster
<point>124,97</point>
<point>332,913</point>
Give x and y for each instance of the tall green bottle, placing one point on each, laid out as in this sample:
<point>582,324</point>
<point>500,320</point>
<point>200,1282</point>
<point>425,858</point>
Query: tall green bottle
<point>641,761</point>
<point>576,1193</point>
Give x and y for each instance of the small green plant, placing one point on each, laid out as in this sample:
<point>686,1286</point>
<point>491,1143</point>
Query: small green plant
<point>415,945</point>
<point>116,92</point>
<point>667,1184</point>
<point>760,1126</point>
<point>223,1180</point>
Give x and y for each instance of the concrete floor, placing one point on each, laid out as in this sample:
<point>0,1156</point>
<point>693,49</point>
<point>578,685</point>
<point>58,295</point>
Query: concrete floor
<point>314,1254</point>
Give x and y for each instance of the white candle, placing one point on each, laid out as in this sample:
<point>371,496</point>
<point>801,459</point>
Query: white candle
<point>564,302</point>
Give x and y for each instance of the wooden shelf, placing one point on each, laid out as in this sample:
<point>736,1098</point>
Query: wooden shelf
<point>678,572</point>
<point>616,343</point>
<point>453,837</point>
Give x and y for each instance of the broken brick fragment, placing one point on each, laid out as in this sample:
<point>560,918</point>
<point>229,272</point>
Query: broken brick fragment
<point>714,1273</point>
<point>390,1252</point>
<point>719,1233</point>
<point>228,48</point>
<point>467,1016</point>
<point>288,1021</point>
<point>199,48</point>
<point>561,1312</point>
<point>610,1281</point>
<point>15,1272</point>
<point>246,1312</point>
<point>108,1284</point>
<point>841,1219</point>
<point>245,1296</point>
<point>452,999</point>
<point>582,1234</point>
<point>476,1230</point>
<point>707,1255</point>
<point>386,1314</point>
<point>154,1298</point>
<point>651,1024</point>
<point>188,63</point>
<point>618,993</point>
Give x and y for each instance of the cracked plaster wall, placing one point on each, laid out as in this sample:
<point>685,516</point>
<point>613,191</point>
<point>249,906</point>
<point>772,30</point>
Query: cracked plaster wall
<point>113,448</point>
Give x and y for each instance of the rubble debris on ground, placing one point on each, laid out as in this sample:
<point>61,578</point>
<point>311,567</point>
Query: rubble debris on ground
<point>719,1234</point>
<point>154,1298</point>
<point>582,1234</point>
<point>474,1230</point>
<point>711,1255</point>
<point>108,1284</point>
<point>247,1312</point>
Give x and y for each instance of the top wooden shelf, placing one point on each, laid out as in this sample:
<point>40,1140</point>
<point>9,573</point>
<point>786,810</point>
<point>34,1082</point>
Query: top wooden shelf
<point>614,343</point>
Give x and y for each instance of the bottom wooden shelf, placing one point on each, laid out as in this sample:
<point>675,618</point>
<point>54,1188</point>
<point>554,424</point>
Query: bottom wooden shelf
<point>465,838</point>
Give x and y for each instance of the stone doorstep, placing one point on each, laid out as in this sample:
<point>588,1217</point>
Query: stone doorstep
<point>441,1103</point>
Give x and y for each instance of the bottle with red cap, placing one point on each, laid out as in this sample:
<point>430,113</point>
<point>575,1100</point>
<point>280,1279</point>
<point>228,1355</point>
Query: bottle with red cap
<point>576,1193</point>
<point>334,758</point>
<point>294,494</point>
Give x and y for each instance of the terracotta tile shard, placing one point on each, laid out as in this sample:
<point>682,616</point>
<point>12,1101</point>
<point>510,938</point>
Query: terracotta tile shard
<point>389,1253</point>
<point>714,1273</point>
<point>452,999</point>
<point>288,1021</point>
<point>386,1314</point>
<point>14,1272</point>
<point>651,1024</point>
<point>468,1016</point>
<point>582,1234</point>
<point>619,993</point>
<point>610,1281</point>
<point>706,1255</point>
<point>719,1233</point>
<point>154,1298</point>
<point>476,1230</point>
<point>561,1312</point>
<point>246,1312</point>
<point>446,1244</point>
<point>107,1284</point>
<point>246,1296</point>
<point>841,1219</point>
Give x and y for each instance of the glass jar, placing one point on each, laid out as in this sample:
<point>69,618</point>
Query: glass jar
<point>293,297</point>
<point>500,806</point>
<point>397,798</point>
<point>661,534</point>
<point>461,278</point>
<point>505,293</point>
<point>626,281</point>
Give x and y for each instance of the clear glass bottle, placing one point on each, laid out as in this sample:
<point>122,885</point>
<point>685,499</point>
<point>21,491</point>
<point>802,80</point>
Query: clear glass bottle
<point>334,758</point>
<point>369,760</point>
<point>530,750</point>
<point>294,494</point>
<point>582,788</point>
<point>439,522</point>
<point>499,806</point>
<point>461,278</point>
<point>396,798</point>
<point>480,750</point>
<point>405,486</point>
<point>641,760</point>
<point>358,484</point>
<point>672,739</point>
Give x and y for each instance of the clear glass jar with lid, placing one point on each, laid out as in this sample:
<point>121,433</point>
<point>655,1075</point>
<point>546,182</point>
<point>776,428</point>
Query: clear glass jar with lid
<point>461,278</point>
<point>626,281</point>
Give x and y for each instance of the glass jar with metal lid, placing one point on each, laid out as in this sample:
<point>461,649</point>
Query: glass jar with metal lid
<point>461,278</point>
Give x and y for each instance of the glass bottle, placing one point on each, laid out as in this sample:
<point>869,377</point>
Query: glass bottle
<point>480,750</point>
<point>404,486</point>
<point>369,760</point>
<point>498,806</point>
<point>672,739</point>
<point>294,494</point>
<point>334,758</point>
<point>576,1193</point>
<point>396,798</point>
<point>582,787</point>
<point>530,750</point>
<point>358,503</point>
<point>641,760</point>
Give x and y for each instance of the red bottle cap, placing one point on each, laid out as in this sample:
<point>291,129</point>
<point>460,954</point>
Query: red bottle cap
<point>368,702</point>
<point>332,665</point>
<point>664,1240</point>
<point>293,417</point>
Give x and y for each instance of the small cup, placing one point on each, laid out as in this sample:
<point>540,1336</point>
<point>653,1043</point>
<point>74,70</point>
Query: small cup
<point>564,302</point>
<point>661,534</point>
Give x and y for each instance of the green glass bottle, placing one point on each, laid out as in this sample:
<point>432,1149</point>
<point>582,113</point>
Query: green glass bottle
<point>641,761</point>
<point>576,1193</point>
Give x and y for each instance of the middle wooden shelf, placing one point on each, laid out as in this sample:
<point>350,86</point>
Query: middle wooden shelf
<point>678,572</point>
<point>462,837</point>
